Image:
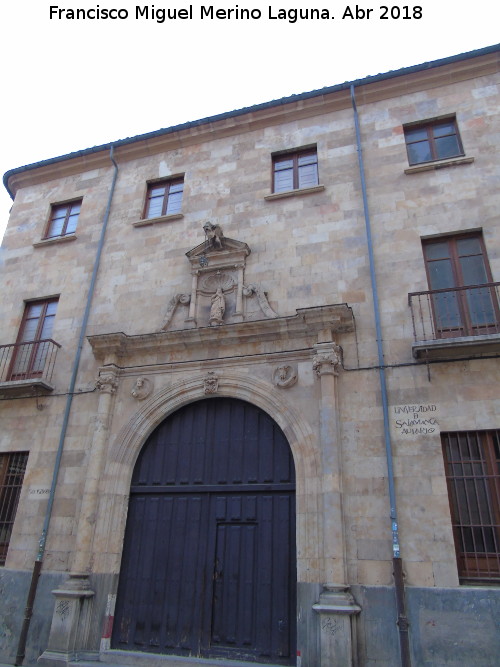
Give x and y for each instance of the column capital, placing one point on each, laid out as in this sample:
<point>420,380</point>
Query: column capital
<point>107,382</point>
<point>327,359</point>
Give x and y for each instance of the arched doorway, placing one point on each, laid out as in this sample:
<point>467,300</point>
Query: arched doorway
<point>209,565</point>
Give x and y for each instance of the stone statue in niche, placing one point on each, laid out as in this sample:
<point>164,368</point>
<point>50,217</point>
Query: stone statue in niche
<point>217,308</point>
<point>214,236</point>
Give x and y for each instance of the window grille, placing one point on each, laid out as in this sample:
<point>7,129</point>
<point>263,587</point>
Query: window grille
<point>12,469</point>
<point>472,460</point>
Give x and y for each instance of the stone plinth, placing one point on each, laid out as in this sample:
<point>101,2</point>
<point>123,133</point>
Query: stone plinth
<point>337,641</point>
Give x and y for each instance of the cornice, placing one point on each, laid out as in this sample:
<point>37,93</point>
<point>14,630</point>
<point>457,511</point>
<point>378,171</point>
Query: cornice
<point>335,319</point>
<point>57,170</point>
<point>336,98</point>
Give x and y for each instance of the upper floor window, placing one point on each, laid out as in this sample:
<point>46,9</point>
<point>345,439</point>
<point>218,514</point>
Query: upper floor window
<point>295,170</point>
<point>433,140</point>
<point>164,198</point>
<point>63,219</point>
<point>33,347</point>
<point>12,469</point>
<point>463,296</point>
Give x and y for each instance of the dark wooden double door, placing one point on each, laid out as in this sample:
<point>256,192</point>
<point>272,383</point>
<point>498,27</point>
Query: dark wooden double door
<point>208,566</point>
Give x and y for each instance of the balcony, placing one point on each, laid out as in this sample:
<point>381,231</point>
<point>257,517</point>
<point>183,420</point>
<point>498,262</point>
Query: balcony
<point>456,322</point>
<point>26,368</point>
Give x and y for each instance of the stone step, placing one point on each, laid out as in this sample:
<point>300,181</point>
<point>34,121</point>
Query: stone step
<point>133,659</point>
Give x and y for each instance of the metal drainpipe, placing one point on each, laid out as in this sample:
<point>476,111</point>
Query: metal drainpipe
<point>402,621</point>
<point>28,612</point>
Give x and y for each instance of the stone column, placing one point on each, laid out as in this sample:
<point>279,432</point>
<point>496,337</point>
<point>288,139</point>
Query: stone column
<point>192,304</point>
<point>336,605</point>
<point>326,364</point>
<point>69,632</point>
<point>107,384</point>
<point>238,314</point>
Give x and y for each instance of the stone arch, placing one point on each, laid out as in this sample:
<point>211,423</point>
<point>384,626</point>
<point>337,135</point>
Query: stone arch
<point>209,549</point>
<point>127,444</point>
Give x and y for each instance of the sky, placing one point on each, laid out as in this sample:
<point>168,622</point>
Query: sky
<point>72,83</point>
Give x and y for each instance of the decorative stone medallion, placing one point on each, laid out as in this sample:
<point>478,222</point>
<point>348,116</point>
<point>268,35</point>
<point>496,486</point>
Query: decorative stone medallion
<point>142,388</point>
<point>285,376</point>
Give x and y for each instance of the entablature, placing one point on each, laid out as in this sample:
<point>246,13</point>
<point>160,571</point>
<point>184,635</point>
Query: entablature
<point>307,327</point>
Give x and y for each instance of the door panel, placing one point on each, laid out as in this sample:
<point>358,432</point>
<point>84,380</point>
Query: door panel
<point>252,611</point>
<point>166,562</point>
<point>233,621</point>
<point>208,564</point>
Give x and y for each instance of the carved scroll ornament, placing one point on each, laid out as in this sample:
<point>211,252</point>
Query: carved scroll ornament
<point>172,305</point>
<point>250,290</point>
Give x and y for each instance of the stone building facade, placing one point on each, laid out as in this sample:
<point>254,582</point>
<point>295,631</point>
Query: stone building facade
<point>250,385</point>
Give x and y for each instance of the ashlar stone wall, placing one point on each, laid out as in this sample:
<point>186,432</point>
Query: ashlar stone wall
<point>308,250</point>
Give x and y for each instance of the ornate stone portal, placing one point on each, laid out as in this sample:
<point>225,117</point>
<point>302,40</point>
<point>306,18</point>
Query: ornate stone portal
<point>195,323</point>
<point>281,370</point>
<point>218,291</point>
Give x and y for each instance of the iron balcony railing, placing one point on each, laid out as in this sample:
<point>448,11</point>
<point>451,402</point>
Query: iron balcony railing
<point>455,312</point>
<point>28,361</point>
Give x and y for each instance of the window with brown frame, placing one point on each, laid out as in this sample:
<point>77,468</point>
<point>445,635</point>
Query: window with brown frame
<point>164,198</point>
<point>12,469</point>
<point>463,297</point>
<point>63,219</point>
<point>472,463</point>
<point>433,140</point>
<point>295,170</point>
<point>32,346</point>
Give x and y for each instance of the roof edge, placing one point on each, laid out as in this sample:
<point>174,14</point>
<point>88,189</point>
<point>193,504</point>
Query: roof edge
<point>251,109</point>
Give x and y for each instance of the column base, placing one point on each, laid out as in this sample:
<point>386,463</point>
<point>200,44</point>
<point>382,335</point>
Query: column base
<point>70,623</point>
<point>58,658</point>
<point>337,608</point>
